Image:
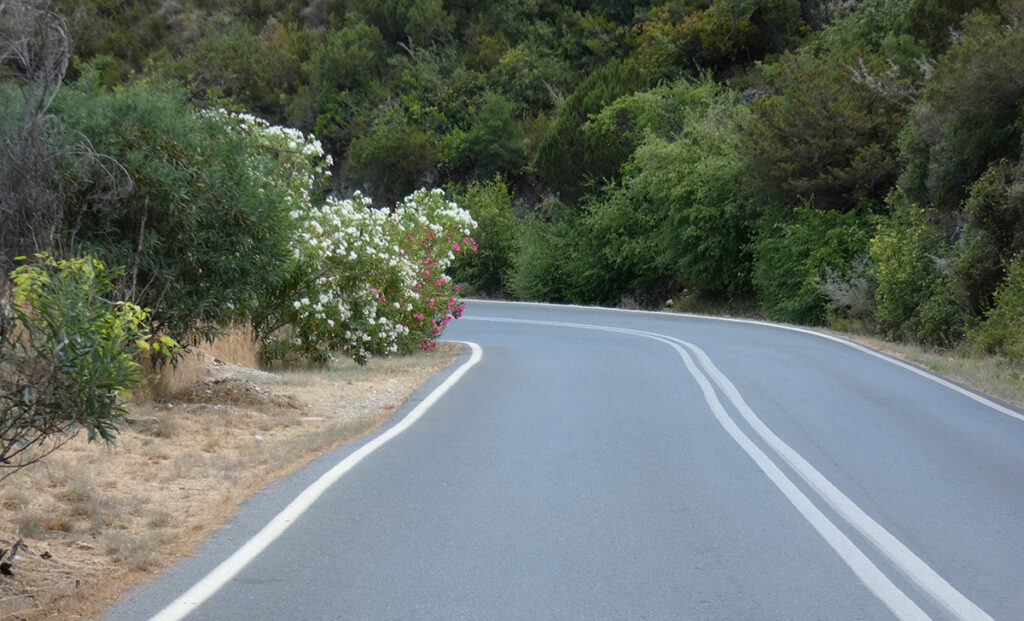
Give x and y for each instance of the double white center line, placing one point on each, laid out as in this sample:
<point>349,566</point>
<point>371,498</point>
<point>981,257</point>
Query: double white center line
<point>930,583</point>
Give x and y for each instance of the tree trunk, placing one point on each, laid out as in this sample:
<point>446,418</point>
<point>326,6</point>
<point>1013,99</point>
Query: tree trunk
<point>758,20</point>
<point>808,14</point>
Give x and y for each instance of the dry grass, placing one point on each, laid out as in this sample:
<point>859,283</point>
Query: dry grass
<point>234,346</point>
<point>98,519</point>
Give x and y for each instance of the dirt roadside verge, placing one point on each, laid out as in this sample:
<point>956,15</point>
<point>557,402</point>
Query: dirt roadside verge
<point>96,520</point>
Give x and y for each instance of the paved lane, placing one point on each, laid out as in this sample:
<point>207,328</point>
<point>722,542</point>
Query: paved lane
<point>578,473</point>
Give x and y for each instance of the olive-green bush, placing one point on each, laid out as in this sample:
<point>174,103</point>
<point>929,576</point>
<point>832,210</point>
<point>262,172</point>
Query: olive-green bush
<point>917,298</point>
<point>1002,331</point>
<point>794,253</point>
<point>67,357</point>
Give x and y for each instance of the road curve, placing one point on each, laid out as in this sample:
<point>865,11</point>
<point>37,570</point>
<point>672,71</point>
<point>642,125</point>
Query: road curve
<point>596,464</point>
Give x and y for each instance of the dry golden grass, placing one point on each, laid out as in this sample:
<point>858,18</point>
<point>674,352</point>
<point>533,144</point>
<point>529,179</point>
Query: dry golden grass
<point>98,519</point>
<point>234,346</point>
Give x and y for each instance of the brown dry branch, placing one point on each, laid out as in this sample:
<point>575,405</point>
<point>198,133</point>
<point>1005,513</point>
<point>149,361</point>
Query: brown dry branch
<point>39,157</point>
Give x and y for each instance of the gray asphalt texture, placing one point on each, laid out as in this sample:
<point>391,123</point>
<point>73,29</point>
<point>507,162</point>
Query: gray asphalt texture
<point>580,474</point>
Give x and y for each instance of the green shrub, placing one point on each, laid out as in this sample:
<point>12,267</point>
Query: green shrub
<point>821,138</point>
<point>1002,331</point>
<point>494,143</point>
<point>490,205</point>
<point>617,253</point>
<point>916,298</point>
<point>66,357</point>
<point>395,155</point>
<point>994,231</point>
<point>967,116</point>
<point>544,256</point>
<point>689,175</point>
<point>204,232</point>
<point>529,77</point>
<point>795,252</point>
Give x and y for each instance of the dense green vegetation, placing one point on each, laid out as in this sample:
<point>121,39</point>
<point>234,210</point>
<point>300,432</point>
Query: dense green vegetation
<point>847,162</point>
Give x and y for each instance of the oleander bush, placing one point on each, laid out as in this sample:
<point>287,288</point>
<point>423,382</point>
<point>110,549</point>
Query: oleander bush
<point>369,281</point>
<point>68,357</point>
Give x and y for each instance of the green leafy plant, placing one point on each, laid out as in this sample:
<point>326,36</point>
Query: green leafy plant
<point>490,205</point>
<point>67,357</point>
<point>205,230</point>
<point>1002,331</point>
<point>968,115</point>
<point>821,138</point>
<point>394,154</point>
<point>546,254</point>
<point>569,159</point>
<point>917,298</point>
<point>795,252</point>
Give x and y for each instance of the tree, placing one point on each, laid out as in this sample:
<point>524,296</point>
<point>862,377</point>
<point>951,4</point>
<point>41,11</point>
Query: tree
<point>547,254</point>
<point>690,173</point>
<point>345,68</point>
<point>494,143</point>
<point>1002,331</point>
<point>779,21</point>
<point>917,298</point>
<point>394,156</point>
<point>126,32</point>
<point>490,204</point>
<point>258,70</point>
<point>39,157</point>
<point>821,137</point>
<point>967,115</point>
<point>531,79</point>
<point>796,252</point>
<point>408,23</point>
<point>568,160</point>
<point>935,22</point>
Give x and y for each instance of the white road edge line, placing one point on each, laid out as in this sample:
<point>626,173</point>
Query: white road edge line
<point>780,326</point>
<point>220,575</point>
<point>927,579</point>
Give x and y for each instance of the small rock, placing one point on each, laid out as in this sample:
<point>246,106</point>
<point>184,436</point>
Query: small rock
<point>258,437</point>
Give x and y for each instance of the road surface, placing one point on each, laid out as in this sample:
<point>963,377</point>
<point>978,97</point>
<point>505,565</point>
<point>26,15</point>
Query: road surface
<point>595,464</point>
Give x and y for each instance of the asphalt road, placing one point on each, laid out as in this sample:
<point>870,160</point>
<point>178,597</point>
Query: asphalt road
<point>596,464</point>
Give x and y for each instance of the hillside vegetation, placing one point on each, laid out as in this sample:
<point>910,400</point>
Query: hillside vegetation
<point>854,163</point>
<point>844,161</point>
